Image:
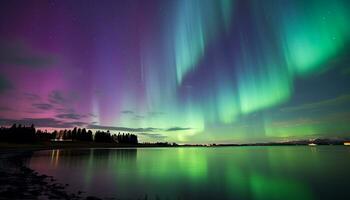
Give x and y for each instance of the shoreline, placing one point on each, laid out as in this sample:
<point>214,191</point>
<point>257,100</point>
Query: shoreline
<point>17,181</point>
<point>72,145</point>
<point>78,145</point>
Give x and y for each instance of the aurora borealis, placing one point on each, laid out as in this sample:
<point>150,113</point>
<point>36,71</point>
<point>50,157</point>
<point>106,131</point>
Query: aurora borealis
<point>187,71</point>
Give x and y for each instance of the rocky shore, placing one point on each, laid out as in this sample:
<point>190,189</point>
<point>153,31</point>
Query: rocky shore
<point>20,182</point>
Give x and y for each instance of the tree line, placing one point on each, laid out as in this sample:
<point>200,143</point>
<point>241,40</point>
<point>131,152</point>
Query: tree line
<point>22,134</point>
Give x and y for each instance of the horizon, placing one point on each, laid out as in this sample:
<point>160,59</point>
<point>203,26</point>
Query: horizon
<point>143,136</point>
<point>190,72</point>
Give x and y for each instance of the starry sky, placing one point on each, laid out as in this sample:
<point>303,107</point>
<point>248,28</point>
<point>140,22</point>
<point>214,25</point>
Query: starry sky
<point>186,71</point>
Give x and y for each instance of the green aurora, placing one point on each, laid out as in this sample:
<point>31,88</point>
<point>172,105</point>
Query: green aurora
<point>186,71</point>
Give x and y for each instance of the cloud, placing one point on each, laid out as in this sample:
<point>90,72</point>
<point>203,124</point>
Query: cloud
<point>320,104</point>
<point>127,112</point>
<point>127,129</point>
<point>155,114</point>
<point>3,108</point>
<point>33,112</point>
<point>5,84</point>
<point>139,117</point>
<point>74,124</point>
<point>153,135</point>
<point>92,115</point>
<point>42,122</point>
<point>42,106</point>
<point>56,123</point>
<point>15,53</point>
<point>65,110</point>
<point>115,128</point>
<point>31,96</point>
<point>70,116</point>
<point>57,97</point>
<point>177,129</point>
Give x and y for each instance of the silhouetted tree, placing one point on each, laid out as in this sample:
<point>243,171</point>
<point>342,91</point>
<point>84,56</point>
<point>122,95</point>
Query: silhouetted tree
<point>101,136</point>
<point>22,134</point>
<point>125,138</point>
<point>89,136</point>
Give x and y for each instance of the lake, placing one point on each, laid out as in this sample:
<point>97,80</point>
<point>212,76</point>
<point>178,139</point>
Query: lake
<point>266,172</point>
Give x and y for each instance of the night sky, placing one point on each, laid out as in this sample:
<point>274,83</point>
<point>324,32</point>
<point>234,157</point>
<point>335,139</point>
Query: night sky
<point>187,71</point>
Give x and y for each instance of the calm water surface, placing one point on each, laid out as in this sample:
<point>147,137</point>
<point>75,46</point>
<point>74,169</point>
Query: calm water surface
<point>299,172</point>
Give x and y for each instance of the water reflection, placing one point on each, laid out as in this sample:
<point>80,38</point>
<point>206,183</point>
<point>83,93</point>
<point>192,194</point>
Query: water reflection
<point>55,154</point>
<point>202,173</point>
<point>74,157</point>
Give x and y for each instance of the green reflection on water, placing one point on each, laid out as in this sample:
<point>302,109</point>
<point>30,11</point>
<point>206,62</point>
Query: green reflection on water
<point>187,163</point>
<point>203,173</point>
<point>264,187</point>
